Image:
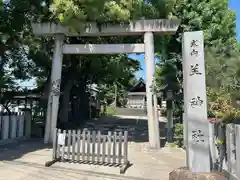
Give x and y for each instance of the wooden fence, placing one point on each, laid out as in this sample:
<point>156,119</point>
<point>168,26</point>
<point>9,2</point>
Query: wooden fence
<point>14,126</point>
<point>91,147</point>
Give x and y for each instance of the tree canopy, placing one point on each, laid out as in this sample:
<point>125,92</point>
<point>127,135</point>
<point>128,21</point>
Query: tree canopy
<point>24,56</point>
<point>221,49</point>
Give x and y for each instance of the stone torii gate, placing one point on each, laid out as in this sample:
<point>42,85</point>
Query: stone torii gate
<point>147,28</point>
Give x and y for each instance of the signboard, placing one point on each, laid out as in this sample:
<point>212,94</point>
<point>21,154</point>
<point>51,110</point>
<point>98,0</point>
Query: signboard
<point>195,102</point>
<point>164,104</point>
<point>61,139</point>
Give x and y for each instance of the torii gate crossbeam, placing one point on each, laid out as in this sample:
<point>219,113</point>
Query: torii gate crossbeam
<point>147,28</point>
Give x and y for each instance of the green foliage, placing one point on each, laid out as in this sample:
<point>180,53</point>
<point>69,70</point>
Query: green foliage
<point>14,18</point>
<point>222,72</point>
<point>28,56</point>
<point>178,133</point>
<point>220,106</point>
<point>214,17</point>
<point>172,145</point>
<point>116,77</point>
<point>163,112</point>
<point>167,73</point>
<point>221,52</point>
<point>110,111</point>
<point>219,142</point>
<point>75,13</point>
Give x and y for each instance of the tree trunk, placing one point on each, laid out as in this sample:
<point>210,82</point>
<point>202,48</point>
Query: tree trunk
<point>81,108</point>
<point>115,95</point>
<point>46,89</point>
<point>65,101</point>
<point>6,107</point>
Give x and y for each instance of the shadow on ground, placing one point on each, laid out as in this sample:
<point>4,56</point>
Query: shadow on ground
<point>137,132</point>
<point>137,128</point>
<point>17,150</point>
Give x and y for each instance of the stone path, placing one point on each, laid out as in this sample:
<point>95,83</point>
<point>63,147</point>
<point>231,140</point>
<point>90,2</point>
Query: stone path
<point>130,112</point>
<point>137,127</point>
<point>26,162</point>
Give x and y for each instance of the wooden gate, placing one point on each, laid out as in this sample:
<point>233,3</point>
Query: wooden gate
<point>91,147</point>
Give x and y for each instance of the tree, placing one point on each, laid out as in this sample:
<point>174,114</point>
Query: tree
<point>11,52</point>
<point>222,72</point>
<point>32,55</point>
<point>103,70</point>
<point>114,90</point>
<point>213,17</point>
<point>76,13</point>
<point>218,24</point>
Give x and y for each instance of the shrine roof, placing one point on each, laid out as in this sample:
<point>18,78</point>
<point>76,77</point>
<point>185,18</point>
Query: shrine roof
<point>138,86</point>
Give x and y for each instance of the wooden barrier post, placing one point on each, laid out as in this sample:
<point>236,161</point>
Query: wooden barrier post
<point>91,147</point>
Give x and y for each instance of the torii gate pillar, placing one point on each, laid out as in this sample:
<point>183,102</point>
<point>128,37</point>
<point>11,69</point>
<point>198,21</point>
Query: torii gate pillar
<point>54,89</point>
<point>139,27</point>
<point>153,125</point>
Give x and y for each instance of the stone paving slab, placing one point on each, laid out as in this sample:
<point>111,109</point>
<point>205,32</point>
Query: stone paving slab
<point>26,162</point>
<point>160,118</point>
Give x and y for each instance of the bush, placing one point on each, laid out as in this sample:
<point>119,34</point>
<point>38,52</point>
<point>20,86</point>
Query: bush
<point>110,111</point>
<point>178,134</point>
<point>163,112</point>
<point>220,106</point>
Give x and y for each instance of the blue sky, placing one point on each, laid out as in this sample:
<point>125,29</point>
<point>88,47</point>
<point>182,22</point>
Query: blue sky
<point>140,57</point>
<point>233,4</point>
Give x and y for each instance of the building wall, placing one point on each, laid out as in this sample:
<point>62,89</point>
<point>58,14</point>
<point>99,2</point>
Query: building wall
<point>135,101</point>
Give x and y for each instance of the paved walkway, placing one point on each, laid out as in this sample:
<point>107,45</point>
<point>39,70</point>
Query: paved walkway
<point>161,119</point>
<point>26,162</point>
<point>134,112</point>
